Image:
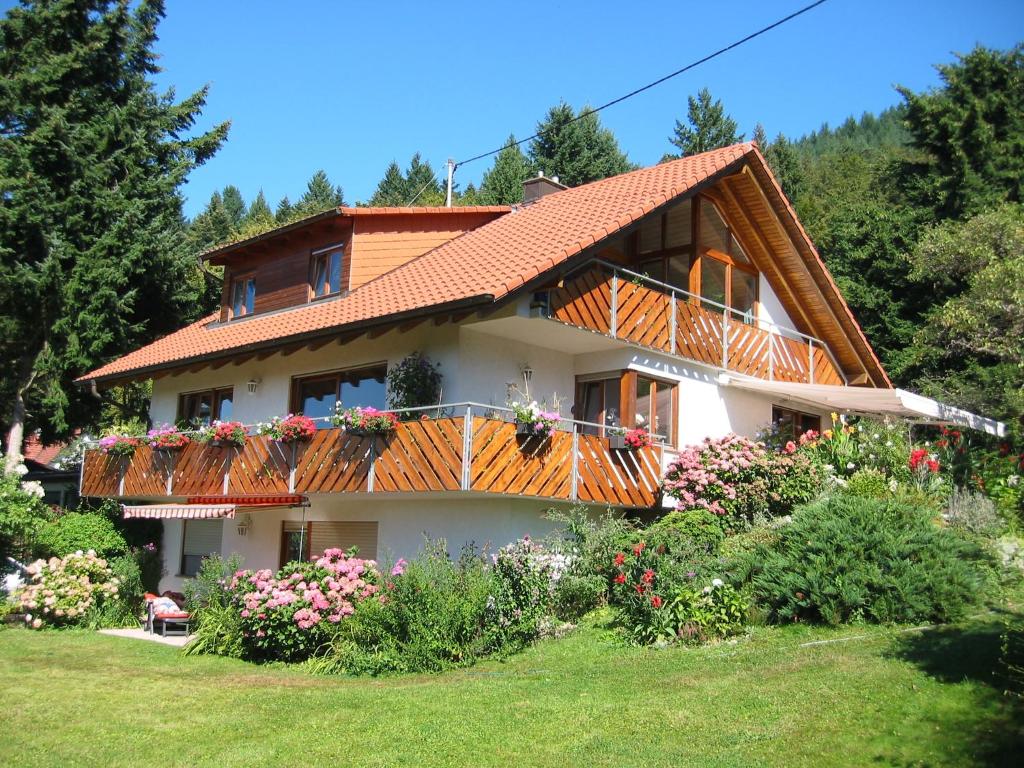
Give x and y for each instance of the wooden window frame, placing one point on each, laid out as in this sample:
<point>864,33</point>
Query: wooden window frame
<point>283,548</point>
<point>727,259</point>
<point>338,376</point>
<point>325,254</point>
<point>796,416</point>
<point>216,394</point>
<point>627,398</point>
<point>243,278</point>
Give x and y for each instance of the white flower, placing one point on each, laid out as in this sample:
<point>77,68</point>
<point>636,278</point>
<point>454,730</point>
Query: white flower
<point>871,456</point>
<point>717,582</point>
<point>875,436</point>
<point>850,465</point>
<point>1012,480</point>
<point>33,487</point>
<point>21,469</point>
<point>888,443</point>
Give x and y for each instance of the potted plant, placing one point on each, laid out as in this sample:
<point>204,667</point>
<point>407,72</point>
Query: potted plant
<point>223,433</point>
<point>364,421</point>
<point>531,421</point>
<point>629,439</point>
<point>412,383</point>
<point>167,438</point>
<point>290,429</point>
<point>119,445</point>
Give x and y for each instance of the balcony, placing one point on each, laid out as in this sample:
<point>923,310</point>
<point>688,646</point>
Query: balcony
<point>475,448</point>
<point>625,305</point>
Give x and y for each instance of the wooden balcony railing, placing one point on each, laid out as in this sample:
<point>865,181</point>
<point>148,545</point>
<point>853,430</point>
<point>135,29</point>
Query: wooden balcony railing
<point>426,455</point>
<point>629,306</point>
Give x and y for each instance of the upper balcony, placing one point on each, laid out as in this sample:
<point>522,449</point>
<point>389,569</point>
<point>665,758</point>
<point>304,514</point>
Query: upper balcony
<point>626,305</point>
<point>456,448</point>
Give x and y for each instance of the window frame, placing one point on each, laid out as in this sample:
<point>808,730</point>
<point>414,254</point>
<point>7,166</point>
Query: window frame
<point>779,412</point>
<point>627,380</point>
<point>307,537</point>
<point>325,255</point>
<point>731,262</point>
<point>242,279</point>
<point>338,375</point>
<point>216,398</point>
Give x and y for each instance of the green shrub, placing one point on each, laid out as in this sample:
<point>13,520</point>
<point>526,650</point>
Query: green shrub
<point>870,483</point>
<point>685,532</point>
<point>81,531</point>
<point>850,558</point>
<point>973,513</point>
<point>430,616</point>
<point>124,609</point>
<point>23,515</point>
<point>64,591</point>
<point>216,624</point>
<point>524,578</point>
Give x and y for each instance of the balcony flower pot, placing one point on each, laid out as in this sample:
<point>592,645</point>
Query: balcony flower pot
<point>289,430</point>
<point>166,438</point>
<point>365,422</point>
<point>617,442</point>
<point>223,434</point>
<point>122,446</point>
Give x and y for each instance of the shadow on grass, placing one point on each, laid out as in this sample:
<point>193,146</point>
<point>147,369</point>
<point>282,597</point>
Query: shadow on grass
<point>972,653</point>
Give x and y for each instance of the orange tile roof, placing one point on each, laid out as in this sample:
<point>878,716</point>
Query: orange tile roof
<point>482,265</point>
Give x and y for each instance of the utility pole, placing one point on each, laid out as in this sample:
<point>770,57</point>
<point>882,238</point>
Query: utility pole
<point>451,174</point>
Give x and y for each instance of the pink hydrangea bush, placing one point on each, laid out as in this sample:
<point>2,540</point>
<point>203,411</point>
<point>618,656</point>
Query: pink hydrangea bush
<point>63,589</point>
<point>288,616</point>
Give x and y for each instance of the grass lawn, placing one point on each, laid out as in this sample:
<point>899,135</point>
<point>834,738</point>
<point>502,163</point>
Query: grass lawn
<point>925,698</point>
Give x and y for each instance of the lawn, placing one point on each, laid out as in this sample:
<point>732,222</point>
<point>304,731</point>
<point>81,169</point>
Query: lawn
<point>890,698</point>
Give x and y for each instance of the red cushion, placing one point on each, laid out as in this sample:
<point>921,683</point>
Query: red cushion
<point>176,615</point>
<point>149,596</point>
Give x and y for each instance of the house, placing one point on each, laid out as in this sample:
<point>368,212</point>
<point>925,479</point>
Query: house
<point>59,478</point>
<point>685,298</point>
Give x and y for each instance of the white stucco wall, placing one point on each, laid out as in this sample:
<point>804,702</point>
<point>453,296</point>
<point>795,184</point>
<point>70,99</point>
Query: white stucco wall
<point>404,525</point>
<point>771,312</point>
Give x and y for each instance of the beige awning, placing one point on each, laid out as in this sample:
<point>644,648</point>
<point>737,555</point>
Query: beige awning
<point>868,401</point>
<point>179,511</point>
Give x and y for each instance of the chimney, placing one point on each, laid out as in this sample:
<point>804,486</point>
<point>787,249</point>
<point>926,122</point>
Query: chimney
<point>536,188</point>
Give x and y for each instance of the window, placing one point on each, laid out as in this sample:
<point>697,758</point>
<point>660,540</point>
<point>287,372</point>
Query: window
<point>654,407</point>
<point>304,543</point>
<point>792,424</point>
<point>316,396</point>
<point>326,273</point>
<point>650,403</point>
<point>201,539</point>
<point>243,296</point>
<point>599,404</point>
<point>663,245</point>
<point>723,272</point>
<point>205,407</point>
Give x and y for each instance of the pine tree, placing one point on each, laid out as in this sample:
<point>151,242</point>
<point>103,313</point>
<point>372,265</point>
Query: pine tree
<point>785,164</point>
<point>392,191</point>
<point>503,183</point>
<point>212,227</point>
<point>320,196</point>
<point>234,206</point>
<point>578,151</point>
<point>89,269</point>
<point>422,184</point>
<point>285,211</point>
<point>259,218</point>
<point>709,127</point>
<point>761,137</point>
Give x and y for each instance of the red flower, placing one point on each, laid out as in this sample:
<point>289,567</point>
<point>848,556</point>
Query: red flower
<point>656,601</point>
<point>917,458</point>
<point>941,443</point>
<point>648,576</point>
<point>790,447</point>
<point>933,466</point>
<point>639,588</point>
<point>638,549</point>
<point>620,558</point>
<point>620,578</point>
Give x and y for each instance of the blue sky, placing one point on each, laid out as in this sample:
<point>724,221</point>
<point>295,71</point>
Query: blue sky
<point>348,87</point>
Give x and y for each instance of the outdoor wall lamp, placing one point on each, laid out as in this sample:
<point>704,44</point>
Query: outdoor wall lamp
<point>253,385</point>
<point>244,521</point>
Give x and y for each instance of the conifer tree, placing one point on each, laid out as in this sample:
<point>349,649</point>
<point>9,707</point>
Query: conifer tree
<point>234,206</point>
<point>392,189</point>
<point>284,211</point>
<point>89,268</point>
<point>709,127</point>
<point>503,183</point>
<point>578,151</point>
<point>319,196</point>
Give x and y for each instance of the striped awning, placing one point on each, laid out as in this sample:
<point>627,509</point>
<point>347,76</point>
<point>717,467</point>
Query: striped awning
<point>179,511</point>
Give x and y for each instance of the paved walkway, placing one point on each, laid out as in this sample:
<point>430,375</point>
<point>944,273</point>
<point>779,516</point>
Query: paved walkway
<point>141,634</point>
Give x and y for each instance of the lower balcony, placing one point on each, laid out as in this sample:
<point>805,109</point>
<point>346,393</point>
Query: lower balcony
<point>473,451</point>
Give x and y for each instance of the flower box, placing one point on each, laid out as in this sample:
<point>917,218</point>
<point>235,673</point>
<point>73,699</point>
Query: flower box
<point>167,438</point>
<point>290,429</point>
<point>120,445</point>
<point>365,422</point>
<point>223,434</point>
<point>531,421</point>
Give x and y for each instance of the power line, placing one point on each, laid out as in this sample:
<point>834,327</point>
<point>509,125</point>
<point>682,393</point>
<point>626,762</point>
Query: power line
<point>659,81</point>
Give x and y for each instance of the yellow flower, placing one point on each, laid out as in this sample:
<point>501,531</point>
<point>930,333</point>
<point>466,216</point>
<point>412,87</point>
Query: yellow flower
<point>835,417</point>
<point>828,434</point>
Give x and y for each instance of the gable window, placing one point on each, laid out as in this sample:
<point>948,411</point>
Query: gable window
<point>664,244</point>
<point>205,407</point>
<point>316,396</point>
<point>722,273</point>
<point>326,273</point>
<point>792,424</point>
<point>243,296</point>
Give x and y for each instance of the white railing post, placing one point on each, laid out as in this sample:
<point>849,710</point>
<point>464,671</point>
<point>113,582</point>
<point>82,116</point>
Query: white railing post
<point>371,476</point>
<point>614,320</point>
<point>672,324</point>
<point>810,361</point>
<point>771,353</point>
<point>467,449</point>
<point>291,469</point>
<point>725,338</point>
<point>575,479</point>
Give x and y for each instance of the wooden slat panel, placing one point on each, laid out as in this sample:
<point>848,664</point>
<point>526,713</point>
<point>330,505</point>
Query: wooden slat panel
<point>147,472</point>
<point>260,467</point>
<point>200,470</point>
<point>101,474</point>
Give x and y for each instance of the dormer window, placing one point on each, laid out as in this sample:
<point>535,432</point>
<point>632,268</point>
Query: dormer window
<point>243,296</point>
<point>326,273</point>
